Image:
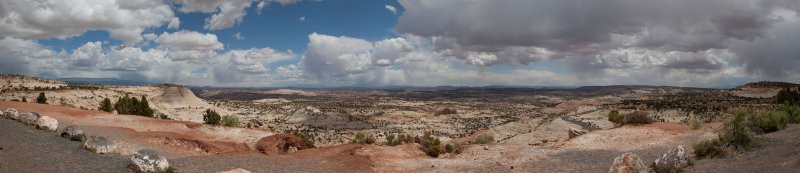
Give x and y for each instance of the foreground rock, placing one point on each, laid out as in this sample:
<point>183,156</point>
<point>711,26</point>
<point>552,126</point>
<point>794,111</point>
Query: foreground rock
<point>148,161</point>
<point>28,118</point>
<point>73,133</point>
<point>673,161</point>
<point>11,113</point>
<point>47,123</point>
<point>281,143</point>
<point>628,163</point>
<point>99,144</point>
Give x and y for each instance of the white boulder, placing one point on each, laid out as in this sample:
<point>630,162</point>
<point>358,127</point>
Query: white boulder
<point>28,118</point>
<point>47,123</point>
<point>99,144</point>
<point>12,113</point>
<point>148,161</point>
<point>673,161</point>
<point>73,133</point>
<point>628,163</point>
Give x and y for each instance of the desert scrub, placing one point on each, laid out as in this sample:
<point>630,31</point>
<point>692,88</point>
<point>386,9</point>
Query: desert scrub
<point>615,117</point>
<point>394,140</point>
<point>737,136</point>
<point>483,139</point>
<point>211,117</point>
<point>695,124</point>
<point>362,138</point>
<point>431,145</point>
<point>771,121</point>
<point>230,121</point>
<point>710,148</point>
<point>792,112</point>
<point>638,117</point>
<point>306,136</point>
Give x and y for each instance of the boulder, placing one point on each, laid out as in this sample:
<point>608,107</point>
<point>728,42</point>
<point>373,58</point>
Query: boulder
<point>47,123</point>
<point>628,163</point>
<point>28,118</point>
<point>12,113</point>
<point>73,133</point>
<point>237,170</point>
<point>146,160</point>
<point>672,161</point>
<point>99,144</point>
<point>280,144</point>
<point>575,133</point>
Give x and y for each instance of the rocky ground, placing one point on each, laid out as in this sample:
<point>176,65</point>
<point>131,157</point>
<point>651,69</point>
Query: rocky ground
<point>26,149</point>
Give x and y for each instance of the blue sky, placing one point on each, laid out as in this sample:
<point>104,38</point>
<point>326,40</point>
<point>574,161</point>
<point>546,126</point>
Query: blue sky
<point>330,43</point>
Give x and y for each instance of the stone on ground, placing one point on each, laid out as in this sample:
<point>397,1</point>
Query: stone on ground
<point>99,144</point>
<point>12,113</point>
<point>628,163</point>
<point>47,123</point>
<point>672,161</point>
<point>28,118</point>
<point>146,160</point>
<point>73,133</point>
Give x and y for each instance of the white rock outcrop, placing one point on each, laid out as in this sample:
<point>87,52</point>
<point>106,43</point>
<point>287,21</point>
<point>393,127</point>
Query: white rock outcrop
<point>672,161</point>
<point>47,123</point>
<point>11,113</point>
<point>628,163</point>
<point>148,161</point>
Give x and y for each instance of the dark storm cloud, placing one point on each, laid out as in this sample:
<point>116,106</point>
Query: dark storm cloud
<point>687,35</point>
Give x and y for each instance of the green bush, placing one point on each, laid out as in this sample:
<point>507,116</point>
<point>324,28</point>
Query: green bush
<point>431,145</point>
<point>41,99</point>
<point>792,111</point>
<point>638,117</point>
<point>710,148</point>
<point>738,136</point>
<point>448,148</point>
<point>211,117</point>
<point>483,139</point>
<point>772,121</point>
<point>230,121</point>
<point>615,117</point>
<point>105,105</point>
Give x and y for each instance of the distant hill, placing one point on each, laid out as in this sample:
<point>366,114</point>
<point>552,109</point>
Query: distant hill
<point>105,81</point>
<point>769,84</point>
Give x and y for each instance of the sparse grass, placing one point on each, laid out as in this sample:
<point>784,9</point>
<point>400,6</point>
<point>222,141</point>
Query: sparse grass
<point>709,148</point>
<point>695,124</point>
<point>792,112</point>
<point>230,121</point>
<point>169,170</point>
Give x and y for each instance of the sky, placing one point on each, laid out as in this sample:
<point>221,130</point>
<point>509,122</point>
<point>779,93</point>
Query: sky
<point>334,43</point>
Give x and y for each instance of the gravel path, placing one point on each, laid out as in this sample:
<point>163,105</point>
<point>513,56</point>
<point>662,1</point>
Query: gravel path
<point>26,149</point>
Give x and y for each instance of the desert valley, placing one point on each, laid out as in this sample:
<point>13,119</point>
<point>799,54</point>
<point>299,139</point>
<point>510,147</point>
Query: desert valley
<point>415,129</point>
